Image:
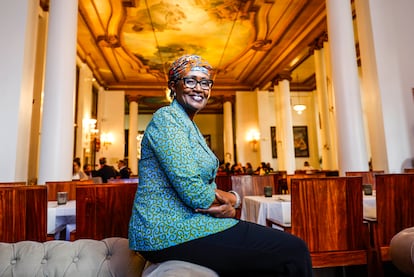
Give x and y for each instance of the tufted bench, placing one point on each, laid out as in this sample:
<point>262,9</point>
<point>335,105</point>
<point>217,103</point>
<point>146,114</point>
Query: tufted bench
<point>402,251</point>
<point>86,258</point>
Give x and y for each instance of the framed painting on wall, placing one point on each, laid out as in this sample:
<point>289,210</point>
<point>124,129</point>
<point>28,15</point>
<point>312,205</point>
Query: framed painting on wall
<point>273,141</point>
<point>300,141</point>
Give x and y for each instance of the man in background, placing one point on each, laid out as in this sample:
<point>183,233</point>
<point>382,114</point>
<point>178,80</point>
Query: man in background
<point>123,170</point>
<point>106,172</point>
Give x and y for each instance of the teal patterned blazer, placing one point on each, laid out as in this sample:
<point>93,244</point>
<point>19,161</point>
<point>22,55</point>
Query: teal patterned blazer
<point>176,175</point>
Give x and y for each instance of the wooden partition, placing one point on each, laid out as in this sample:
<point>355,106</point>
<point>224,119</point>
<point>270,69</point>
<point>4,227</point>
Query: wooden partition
<point>253,184</point>
<point>303,175</point>
<point>327,213</point>
<point>223,182</point>
<point>23,213</point>
<point>69,186</point>
<point>368,177</point>
<point>104,211</point>
<point>268,180</point>
<point>395,209</point>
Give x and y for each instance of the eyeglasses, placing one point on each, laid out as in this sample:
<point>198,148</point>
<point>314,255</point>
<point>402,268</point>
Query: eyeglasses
<point>192,83</point>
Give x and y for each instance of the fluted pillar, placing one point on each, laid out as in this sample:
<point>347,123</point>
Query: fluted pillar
<point>56,149</point>
<point>352,153</point>
<point>284,127</point>
<point>323,104</point>
<point>228,132</point>
<point>132,137</point>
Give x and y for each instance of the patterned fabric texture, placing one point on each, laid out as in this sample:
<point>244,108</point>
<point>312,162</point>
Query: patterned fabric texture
<point>176,175</point>
<point>188,63</point>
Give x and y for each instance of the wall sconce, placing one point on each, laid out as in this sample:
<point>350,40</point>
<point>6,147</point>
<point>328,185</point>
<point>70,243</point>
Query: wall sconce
<point>89,131</point>
<point>107,139</point>
<point>253,138</point>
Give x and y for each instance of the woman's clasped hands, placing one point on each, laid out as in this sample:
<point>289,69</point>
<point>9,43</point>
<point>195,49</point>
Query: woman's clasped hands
<point>221,207</point>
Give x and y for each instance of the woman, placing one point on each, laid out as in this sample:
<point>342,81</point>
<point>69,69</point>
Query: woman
<point>179,214</point>
<point>77,173</point>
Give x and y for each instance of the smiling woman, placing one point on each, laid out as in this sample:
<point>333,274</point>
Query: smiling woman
<point>179,214</point>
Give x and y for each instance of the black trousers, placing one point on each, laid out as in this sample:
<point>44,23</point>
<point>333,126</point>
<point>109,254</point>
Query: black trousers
<point>247,249</point>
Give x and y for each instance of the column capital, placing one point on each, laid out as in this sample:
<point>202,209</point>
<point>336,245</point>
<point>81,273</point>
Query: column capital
<point>133,98</point>
<point>317,44</point>
<point>228,98</point>
<point>285,75</point>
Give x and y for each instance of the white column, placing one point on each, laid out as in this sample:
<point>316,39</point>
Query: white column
<point>284,131</point>
<point>84,112</point>
<point>228,133</point>
<point>132,137</point>
<point>331,105</point>
<point>323,104</point>
<point>351,139</point>
<point>19,21</point>
<point>56,148</point>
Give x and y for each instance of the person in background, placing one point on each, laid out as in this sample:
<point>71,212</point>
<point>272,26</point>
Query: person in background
<point>77,173</point>
<point>249,169</point>
<point>87,168</point>
<point>123,172</point>
<point>178,212</point>
<point>307,167</point>
<point>105,171</point>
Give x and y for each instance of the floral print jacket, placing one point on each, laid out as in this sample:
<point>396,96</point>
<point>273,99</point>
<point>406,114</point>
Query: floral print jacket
<point>176,175</point>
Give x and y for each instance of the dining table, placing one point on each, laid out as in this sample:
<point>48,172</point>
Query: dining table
<point>257,208</point>
<point>61,215</point>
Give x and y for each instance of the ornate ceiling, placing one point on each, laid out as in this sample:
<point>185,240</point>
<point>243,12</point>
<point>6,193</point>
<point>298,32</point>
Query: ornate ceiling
<point>129,44</point>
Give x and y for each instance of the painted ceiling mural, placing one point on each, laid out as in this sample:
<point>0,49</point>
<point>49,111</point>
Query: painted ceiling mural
<point>186,26</point>
<point>129,44</point>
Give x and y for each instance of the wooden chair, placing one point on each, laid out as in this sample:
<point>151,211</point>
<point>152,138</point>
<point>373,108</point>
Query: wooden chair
<point>259,182</point>
<point>303,175</point>
<point>104,210</point>
<point>368,177</point>
<point>395,210</point>
<point>36,213</point>
<point>327,214</point>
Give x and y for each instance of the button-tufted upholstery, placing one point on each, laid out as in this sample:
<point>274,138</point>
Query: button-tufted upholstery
<point>402,251</point>
<point>87,258</point>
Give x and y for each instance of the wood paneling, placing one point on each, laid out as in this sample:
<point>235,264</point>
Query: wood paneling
<point>395,209</point>
<point>69,186</point>
<point>104,210</point>
<point>327,214</point>
<point>23,213</point>
<point>223,182</point>
<point>368,177</point>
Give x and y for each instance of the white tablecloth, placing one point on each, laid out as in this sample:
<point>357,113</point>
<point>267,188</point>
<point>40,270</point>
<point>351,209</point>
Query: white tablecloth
<point>257,208</point>
<point>58,215</point>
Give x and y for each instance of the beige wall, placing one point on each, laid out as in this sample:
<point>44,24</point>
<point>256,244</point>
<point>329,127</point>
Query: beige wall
<point>111,120</point>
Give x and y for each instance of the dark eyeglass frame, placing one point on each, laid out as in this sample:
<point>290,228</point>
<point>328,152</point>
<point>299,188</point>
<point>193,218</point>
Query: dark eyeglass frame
<point>205,84</point>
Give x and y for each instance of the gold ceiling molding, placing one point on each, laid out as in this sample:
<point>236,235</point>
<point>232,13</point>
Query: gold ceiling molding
<point>128,44</point>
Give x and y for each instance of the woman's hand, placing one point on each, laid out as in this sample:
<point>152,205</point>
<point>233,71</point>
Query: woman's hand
<point>222,207</point>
